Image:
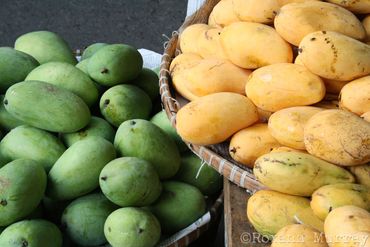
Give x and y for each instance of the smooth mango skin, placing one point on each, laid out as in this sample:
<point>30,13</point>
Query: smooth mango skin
<point>256,10</point>
<point>45,47</point>
<point>354,96</point>
<point>209,44</point>
<point>222,14</point>
<point>339,137</point>
<point>14,66</point>
<point>96,127</point>
<point>270,211</point>
<point>250,143</point>
<point>297,173</point>
<point>124,102</point>
<point>91,50</point>
<point>335,56</point>
<point>362,174</point>
<point>348,226</point>
<point>253,45</point>
<point>31,143</point>
<point>143,139</point>
<point>161,120</point>
<point>76,172</point>
<point>132,227</point>
<point>179,205</point>
<point>297,235</point>
<point>189,35</point>
<point>21,190</point>
<point>332,196</point>
<point>68,77</point>
<point>295,21</point>
<point>7,121</point>
<point>358,7</point>
<point>284,85</point>
<point>130,182</point>
<point>214,118</point>
<point>115,64</point>
<point>287,125</point>
<point>195,172</point>
<point>148,81</point>
<point>84,218</point>
<point>31,233</point>
<point>47,106</point>
<point>82,65</point>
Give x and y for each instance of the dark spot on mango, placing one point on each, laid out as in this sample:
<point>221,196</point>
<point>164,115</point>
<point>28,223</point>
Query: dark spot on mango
<point>106,102</point>
<point>3,202</point>
<point>313,39</point>
<point>324,32</point>
<point>233,150</point>
<point>104,178</point>
<point>5,101</point>
<point>132,122</point>
<point>351,216</point>
<point>300,50</point>
<point>140,230</point>
<point>330,209</point>
<point>109,229</point>
<point>104,71</point>
<point>24,243</point>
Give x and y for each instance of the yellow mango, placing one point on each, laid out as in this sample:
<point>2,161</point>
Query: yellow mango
<point>362,174</point>
<point>348,226</point>
<point>296,20</point>
<point>223,14</point>
<point>209,45</point>
<point>339,137</point>
<point>285,2</point>
<point>189,36</point>
<point>332,196</point>
<point>253,45</point>
<point>355,96</point>
<point>270,211</point>
<point>284,85</point>
<point>366,24</point>
<point>335,56</point>
<point>256,10</point>
<point>287,125</point>
<point>214,118</point>
<point>178,68</point>
<point>214,76</point>
<point>297,173</point>
<point>250,143</point>
<point>356,6</point>
<point>297,235</point>
<point>286,149</point>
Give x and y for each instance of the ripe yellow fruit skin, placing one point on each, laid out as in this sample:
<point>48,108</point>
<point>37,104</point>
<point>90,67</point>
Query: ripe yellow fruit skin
<point>355,96</point>
<point>256,10</point>
<point>214,118</point>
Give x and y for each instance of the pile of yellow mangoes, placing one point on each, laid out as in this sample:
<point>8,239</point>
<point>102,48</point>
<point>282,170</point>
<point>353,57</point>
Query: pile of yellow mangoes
<point>287,84</point>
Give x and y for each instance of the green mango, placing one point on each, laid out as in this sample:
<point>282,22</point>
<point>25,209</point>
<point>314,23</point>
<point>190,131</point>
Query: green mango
<point>82,65</point>
<point>193,171</point>
<point>115,64</point>
<point>132,227</point>
<point>142,139</point>
<point>83,219</point>
<point>22,187</point>
<point>161,120</point>
<point>125,102</point>
<point>7,121</point>
<point>31,143</point>
<point>92,49</point>
<point>31,233</point>
<point>14,66</point>
<point>68,77</point>
<point>179,206</point>
<point>76,172</point>
<point>148,81</point>
<point>130,181</point>
<point>96,127</point>
<point>47,106</point>
<point>45,47</point>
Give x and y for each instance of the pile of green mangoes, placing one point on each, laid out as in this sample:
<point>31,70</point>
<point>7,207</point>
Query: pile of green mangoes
<point>87,156</point>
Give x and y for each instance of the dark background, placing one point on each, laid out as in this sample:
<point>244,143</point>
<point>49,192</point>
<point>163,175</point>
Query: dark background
<point>140,23</point>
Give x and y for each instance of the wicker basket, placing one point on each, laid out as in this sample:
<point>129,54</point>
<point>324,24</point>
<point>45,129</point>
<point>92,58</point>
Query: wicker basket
<point>216,156</point>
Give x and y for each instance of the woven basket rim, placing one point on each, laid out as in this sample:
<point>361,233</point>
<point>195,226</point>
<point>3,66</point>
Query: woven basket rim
<point>237,174</point>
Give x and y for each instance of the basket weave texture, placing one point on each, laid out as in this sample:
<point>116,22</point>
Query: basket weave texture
<point>216,156</point>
